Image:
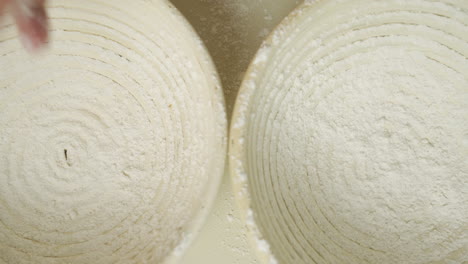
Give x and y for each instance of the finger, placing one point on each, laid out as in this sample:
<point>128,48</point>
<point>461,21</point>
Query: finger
<point>31,20</point>
<point>3,4</point>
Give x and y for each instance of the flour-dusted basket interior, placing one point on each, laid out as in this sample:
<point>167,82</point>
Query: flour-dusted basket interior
<point>112,142</point>
<point>349,139</point>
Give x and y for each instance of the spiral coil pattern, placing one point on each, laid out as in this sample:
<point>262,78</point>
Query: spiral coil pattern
<point>112,143</point>
<point>350,134</point>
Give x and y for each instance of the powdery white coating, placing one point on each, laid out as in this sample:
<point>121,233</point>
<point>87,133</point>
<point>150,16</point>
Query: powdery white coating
<point>354,143</point>
<point>112,143</point>
<point>262,55</point>
<point>260,244</point>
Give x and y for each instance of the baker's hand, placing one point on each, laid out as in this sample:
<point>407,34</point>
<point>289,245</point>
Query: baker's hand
<point>31,19</point>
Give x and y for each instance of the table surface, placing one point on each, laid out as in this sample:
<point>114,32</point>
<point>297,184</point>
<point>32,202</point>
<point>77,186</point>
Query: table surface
<point>232,31</point>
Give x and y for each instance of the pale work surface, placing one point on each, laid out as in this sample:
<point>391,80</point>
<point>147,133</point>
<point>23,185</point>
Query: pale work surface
<point>232,30</point>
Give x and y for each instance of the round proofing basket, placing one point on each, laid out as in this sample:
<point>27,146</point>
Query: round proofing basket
<point>349,136</point>
<point>112,142</point>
